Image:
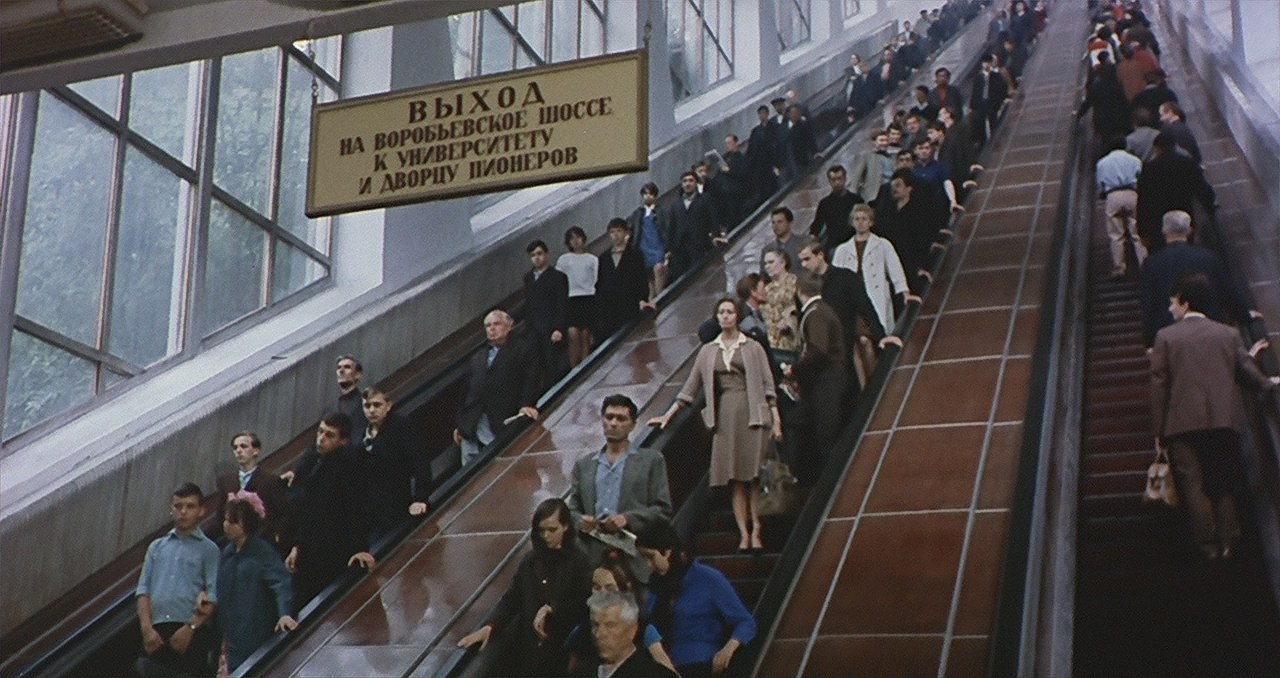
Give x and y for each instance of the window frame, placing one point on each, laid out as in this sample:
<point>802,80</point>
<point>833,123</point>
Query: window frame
<point>189,338</point>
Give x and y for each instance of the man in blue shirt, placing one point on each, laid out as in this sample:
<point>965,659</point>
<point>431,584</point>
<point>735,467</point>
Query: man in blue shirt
<point>177,593</point>
<point>619,487</point>
<point>1117,174</point>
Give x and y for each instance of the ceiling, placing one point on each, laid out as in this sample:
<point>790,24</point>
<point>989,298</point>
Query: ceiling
<point>141,34</point>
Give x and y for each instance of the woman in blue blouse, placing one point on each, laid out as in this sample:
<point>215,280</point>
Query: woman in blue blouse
<point>259,594</point>
<point>699,614</point>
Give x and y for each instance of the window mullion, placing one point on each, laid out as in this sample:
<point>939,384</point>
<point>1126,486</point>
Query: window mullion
<point>277,150</point>
<point>79,349</point>
<point>193,329</point>
<point>111,244</point>
<point>17,156</point>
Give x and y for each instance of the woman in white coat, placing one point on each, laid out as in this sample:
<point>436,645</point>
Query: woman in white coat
<point>877,261</point>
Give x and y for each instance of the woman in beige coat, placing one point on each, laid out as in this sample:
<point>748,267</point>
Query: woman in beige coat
<point>741,410</point>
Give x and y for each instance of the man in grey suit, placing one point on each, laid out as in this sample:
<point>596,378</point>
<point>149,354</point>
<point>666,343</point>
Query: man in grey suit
<point>620,487</point>
<point>1197,368</point>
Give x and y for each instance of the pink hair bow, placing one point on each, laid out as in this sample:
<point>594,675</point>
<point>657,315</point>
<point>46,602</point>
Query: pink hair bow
<point>250,498</point>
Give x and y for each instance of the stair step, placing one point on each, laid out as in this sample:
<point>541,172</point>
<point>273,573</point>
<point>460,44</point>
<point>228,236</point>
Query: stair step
<point>1113,483</point>
<point>1118,462</point>
<point>1125,421</point>
<point>743,566</point>
<point>1127,503</point>
<point>709,543</point>
<point>1133,441</point>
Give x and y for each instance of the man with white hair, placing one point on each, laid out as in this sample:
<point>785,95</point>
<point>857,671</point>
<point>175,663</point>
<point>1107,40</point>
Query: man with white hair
<point>502,382</point>
<point>1178,259</point>
<point>615,619</point>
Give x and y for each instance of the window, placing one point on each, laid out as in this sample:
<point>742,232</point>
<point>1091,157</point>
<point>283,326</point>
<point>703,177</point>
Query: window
<point>794,27</point>
<point>137,241</point>
<point>524,35</point>
<point>528,34</point>
<point>852,8</point>
<point>700,34</point>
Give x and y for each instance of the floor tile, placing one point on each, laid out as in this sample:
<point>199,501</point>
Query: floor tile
<point>946,393</point>
<point>855,483</point>
<point>899,575</point>
<point>967,657</point>
<point>929,468</point>
<point>1000,471</point>
<point>975,612</point>
<point>984,288</point>
<point>840,656</point>
<point>805,604</point>
<point>969,334</point>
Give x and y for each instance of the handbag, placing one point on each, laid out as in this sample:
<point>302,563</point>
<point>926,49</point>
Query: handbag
<point>777,489</point>
<point>1160,487</point>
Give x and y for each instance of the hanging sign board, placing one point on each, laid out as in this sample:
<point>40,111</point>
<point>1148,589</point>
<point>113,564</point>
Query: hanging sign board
<point>573,120</point>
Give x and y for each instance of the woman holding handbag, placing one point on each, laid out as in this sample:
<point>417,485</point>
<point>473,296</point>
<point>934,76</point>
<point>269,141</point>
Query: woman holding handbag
<point>741,410</point>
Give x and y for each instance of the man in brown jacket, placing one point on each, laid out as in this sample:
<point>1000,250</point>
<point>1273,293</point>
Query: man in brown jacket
<point>1197,368</point>
<point>821,372</point>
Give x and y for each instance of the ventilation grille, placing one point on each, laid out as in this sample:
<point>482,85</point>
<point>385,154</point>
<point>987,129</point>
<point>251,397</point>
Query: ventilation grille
<point>67,32</point>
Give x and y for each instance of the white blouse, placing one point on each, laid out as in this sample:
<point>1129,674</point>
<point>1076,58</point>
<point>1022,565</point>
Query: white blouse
<point>581,269</point>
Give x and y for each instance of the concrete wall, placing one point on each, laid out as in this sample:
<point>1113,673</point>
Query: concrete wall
<point>1242,84</point>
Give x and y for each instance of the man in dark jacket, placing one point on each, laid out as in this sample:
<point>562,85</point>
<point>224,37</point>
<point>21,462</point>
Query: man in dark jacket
<point>502,381</point>
<point>330,529</point>
<point>988,95</point>
<point>762,157</point>
<point>398,467</point>
<point>692,224</point>
<point>545,312</point>
<point>1169,181</point>
<point>831,218</point>
<point>801,145</point>
<point>1179,258</point>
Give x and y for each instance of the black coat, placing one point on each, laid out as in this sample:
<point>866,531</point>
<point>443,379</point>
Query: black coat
<point>560,578</point>
<point>399,471</point>
<point>619,290</point>
<point>333,517</point>
<point>846,294</point>
<point>1105,96</point>
<point>1168,182</point>
<point>1164,269</point>
<point>801,143</point>
<point>762,158</point>
<point>860,95</point>
<point>693,227</point>
<point>546,301</point>
<point>911,230</point>
<point>831,219</point>
<point>986,101</point>
<point>501,389</point>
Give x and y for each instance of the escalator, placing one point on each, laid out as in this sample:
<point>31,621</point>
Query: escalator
<point>1146,602</point>
<point>103,642</point>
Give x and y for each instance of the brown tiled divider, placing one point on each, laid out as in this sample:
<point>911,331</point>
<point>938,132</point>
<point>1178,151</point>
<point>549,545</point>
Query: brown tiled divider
<point>925,501</point>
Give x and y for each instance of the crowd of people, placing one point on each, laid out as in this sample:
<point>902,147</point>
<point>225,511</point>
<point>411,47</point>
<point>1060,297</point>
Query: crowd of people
<point>1151,180</point>
<point>783,360</point>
